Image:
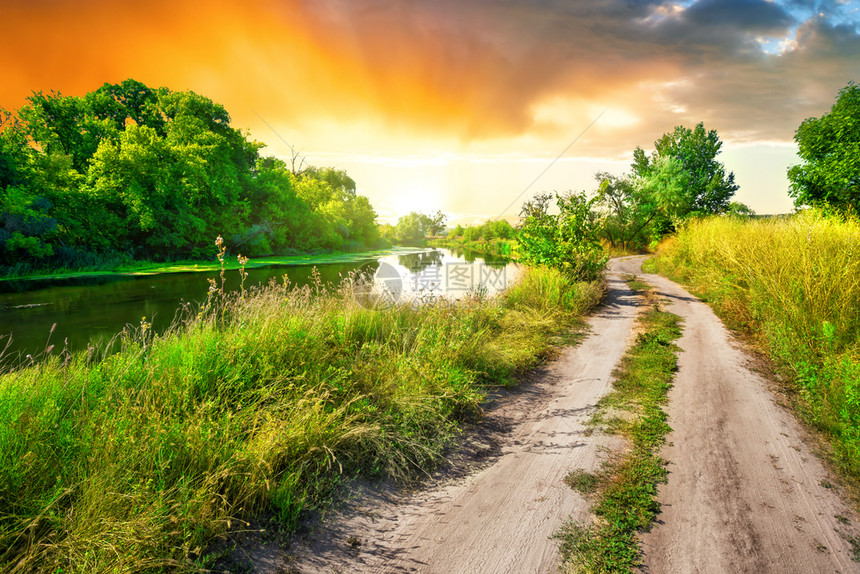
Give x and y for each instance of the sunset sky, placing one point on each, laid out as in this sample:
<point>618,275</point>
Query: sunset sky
<point>461,105</point>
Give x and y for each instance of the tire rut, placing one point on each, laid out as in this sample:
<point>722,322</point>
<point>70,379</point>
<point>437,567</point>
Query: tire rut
<point>744,492</point>
<point>502,517</point>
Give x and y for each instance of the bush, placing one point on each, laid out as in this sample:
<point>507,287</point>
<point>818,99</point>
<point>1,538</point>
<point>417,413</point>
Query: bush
<point>567,241</point>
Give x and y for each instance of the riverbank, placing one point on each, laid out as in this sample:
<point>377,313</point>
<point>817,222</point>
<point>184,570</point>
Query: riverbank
<point>154,268</point>
<point>255,408</point>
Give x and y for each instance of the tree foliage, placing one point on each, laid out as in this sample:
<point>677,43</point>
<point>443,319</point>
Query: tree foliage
<point>489,230</point>
<point>830,149</point>
<point>708,189</point>
<point>567,241</point>
<point>410,229</point>
<point>414,227</point>
<point>681,178</point>
<point>156,174</point>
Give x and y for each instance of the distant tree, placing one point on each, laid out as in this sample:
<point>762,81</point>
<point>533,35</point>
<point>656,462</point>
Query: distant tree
<point>434,224</point>
<point>738,209</point>
<point>473,233</point>
<point>409,229</point>
<point>498,229</point>
<point>387,232</point>
<point>708,188</point>
<point>623,220</point>
<point>830,149</point>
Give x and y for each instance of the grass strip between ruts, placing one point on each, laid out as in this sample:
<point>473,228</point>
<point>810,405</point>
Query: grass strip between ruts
<point>624,489</point>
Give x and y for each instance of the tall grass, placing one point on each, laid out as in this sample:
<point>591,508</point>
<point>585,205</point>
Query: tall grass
<point>794,282</point>
<point>258,405</point>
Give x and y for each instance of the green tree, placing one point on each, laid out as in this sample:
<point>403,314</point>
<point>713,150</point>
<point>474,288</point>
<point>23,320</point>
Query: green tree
<point>134,171</point>
<point>410,229</point>
<point>830,149</point>
<point>634,212</point>
<point>25,226</point>
<point>709,189</point>
<point>337,179</point>
<point>567,241</point>
<point>738,209</point>
<point>127,101</point>
<point>434,224</point>
<point>623,220</point>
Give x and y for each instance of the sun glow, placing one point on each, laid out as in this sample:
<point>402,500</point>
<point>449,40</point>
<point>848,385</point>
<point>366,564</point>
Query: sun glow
<point>420,198</point>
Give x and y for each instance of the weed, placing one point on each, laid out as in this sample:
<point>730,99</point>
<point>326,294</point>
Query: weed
<point>636,284</point>
<point>854,541</point>
<point>581,481</point>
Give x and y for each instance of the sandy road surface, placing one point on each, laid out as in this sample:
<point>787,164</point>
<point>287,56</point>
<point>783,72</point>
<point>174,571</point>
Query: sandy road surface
<point>499,519</point>
<point>744,493</point>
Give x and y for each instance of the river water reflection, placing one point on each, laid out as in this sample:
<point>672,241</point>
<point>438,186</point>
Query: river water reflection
<point>94,310</point>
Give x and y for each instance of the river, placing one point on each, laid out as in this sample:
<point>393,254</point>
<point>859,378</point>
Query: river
<point>73,313</point>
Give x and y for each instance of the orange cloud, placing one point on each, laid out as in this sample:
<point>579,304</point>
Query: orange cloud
<point>485,77</point>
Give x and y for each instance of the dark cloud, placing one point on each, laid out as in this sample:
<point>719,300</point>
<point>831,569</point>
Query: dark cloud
<point>755,16</point>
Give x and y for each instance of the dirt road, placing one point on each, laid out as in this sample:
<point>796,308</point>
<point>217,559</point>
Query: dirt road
<point>501,518</point>
<point>744,493</point>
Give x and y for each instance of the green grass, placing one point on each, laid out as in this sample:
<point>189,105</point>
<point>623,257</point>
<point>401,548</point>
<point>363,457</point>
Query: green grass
<point>625,487</point>
<point>793,285</point>
<point>255,408</point>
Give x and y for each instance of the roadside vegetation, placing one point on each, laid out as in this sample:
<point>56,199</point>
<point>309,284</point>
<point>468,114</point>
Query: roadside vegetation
<point>624,489</point>
<point>255,405</point>
<point>793,285</point>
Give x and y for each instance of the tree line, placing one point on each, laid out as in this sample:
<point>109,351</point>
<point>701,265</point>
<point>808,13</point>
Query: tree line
<point>681,179</point>
<point>132,172</point>
<point>135,172</point>
<point>414,227</point>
